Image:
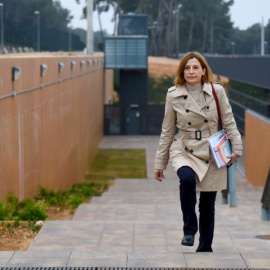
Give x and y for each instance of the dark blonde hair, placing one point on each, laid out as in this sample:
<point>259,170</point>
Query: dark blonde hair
<point>180,80</point>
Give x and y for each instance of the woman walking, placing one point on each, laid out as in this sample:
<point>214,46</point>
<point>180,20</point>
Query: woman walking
<point>192,109</point>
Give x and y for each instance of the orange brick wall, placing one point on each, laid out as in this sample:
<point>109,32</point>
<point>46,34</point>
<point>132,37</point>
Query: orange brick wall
<point>48,136</point>
<point>257,148</point>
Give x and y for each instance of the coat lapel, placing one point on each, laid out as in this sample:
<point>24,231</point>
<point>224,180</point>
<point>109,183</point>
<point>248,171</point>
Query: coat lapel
<point>189,103</point>
<point>207,89</point>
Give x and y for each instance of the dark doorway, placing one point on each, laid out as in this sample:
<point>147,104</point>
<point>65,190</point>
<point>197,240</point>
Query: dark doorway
<point>133,121</point>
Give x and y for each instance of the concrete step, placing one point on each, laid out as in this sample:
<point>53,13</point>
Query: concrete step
<point>125,199</point>
<point>140,260</point>
<point>146,236</point>
<point>129,212</point>
<point>144,185</point>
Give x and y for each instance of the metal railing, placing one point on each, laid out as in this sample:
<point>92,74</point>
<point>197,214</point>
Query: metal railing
<point>250,102</point>
<point>266,200</point>
<point>231,189</point>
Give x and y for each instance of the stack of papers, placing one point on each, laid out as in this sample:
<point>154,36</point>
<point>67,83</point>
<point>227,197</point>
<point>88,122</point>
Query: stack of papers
<point>220,148</point>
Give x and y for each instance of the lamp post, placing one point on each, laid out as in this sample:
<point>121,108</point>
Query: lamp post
<point>2,25</point>
<point>233,47</point>
<point>70,39</point>
<point>90,38</point>
<point>38,29</point>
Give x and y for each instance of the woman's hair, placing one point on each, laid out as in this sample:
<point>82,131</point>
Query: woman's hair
<point>208,76</point>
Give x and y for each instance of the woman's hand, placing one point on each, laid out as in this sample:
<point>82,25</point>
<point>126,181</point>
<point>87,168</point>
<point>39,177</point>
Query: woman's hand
<point>233,158</point>
<point>159,175</point>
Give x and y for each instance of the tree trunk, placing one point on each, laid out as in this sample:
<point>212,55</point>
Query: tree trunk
<point>100,25</point>
<point>204,32</point>
<point>211,35</point>
<point>160,28</point>
<point>167,49</point>
<point>190,35</point>
<point>153,44</point>
<point>115,13</point>
<point>177,32</point>
<point>140,7</point>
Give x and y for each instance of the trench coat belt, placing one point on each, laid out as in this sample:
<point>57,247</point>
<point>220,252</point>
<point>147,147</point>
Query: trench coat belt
<point>197,134</point>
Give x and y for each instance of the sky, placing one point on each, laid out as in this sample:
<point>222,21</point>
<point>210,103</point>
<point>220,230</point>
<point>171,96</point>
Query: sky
<point>244,13</point>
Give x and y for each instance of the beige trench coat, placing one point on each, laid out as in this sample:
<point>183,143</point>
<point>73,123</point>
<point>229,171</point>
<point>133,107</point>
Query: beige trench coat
<point>184,148</point>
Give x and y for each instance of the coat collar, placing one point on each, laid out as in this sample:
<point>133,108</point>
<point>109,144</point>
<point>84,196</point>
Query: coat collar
<point>191,104</point>
<point>207,88</point>
<point>182,91</point>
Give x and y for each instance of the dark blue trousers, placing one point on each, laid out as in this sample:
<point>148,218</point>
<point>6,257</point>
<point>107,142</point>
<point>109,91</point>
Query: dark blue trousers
<point>187,187</point>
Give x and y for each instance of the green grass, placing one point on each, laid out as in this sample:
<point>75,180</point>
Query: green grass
<point>118,163</point>
<point>72,198</point>
<point>33,210</point>
<point>26,210</point>
<point>107,165</point>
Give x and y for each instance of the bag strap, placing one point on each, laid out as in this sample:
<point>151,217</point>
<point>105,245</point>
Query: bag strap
<point>218,108</point>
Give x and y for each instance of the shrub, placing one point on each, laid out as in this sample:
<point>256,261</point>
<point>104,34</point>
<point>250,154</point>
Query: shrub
<point>32,211</point>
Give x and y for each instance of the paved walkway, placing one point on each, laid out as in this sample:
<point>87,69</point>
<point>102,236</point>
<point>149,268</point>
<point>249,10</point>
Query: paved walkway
<point>138,223</point>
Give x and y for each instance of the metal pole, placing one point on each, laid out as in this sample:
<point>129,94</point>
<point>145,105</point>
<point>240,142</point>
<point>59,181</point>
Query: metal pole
<point>38,30</point>
<point>177,33</point>
<point>2,25</point>
<point>232,185</point>
<point>90,42</point>
<point>233,47</point>
<point>69,41</point>
<point>262,37</point>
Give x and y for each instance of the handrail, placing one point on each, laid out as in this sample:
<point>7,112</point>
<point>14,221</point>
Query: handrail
<point>231,189</point>
<point>266,200</point>
<point>249,96</point>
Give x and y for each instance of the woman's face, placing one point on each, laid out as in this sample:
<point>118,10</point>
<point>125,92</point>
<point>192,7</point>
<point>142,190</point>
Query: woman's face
<point>193,71</point>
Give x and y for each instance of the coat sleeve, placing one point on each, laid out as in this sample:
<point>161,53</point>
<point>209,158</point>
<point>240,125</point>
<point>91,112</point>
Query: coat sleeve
<point>167,134</point>
<point>229,124</point>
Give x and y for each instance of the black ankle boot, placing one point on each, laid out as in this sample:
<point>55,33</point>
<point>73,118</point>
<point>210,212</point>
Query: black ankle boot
<point>188,240</point>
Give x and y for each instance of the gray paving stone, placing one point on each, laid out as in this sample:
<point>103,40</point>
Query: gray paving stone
<point>214,260</point>
<point>257,259</point>
<point>141,219</point>
<point>95,263</point>
<point>98,259</point>
<point>39,254</point>
<point>162,259</point>
<point>5,257</point>
<point>6,254</point>
<point>37,262</point>
<point>4,262</point>
<point>250,245</point>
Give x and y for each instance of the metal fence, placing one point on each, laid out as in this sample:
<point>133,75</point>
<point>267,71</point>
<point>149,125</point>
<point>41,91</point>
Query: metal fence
<point>148,121</point>
<point>150,117</point>
<point>17,35</point>
<point>258,105</point>
<point>239,115</point>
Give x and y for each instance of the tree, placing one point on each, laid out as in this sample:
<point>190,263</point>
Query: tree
<point>267,38</point>
<point>21,24</point>
<point>185,25</point>
<point>207,25</point>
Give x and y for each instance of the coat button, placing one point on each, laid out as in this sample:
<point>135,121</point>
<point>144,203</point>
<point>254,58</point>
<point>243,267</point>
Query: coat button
<point>207,161</point>
<point>187,111</point>
<point>189,123</point>
<point>185,97</point>
<point>205,121</point>
<point>207,108</point>
<point>191,151</point>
